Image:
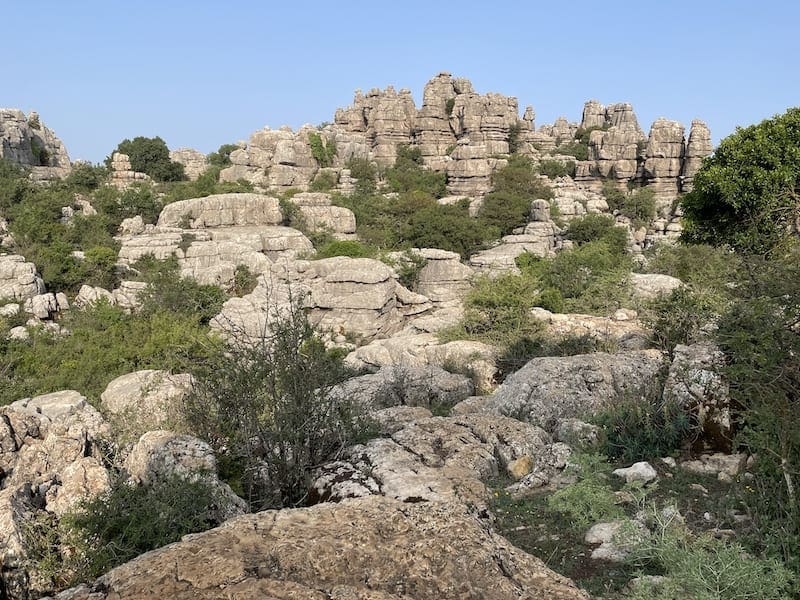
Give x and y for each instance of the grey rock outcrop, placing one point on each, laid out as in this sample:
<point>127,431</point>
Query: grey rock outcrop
<point>444,278</point>
<point>194,162</point>
<point>373,547</point>
<point>222,210</point>
<point>27,142</point>
<point>122,173</point>
<point>319,214</point>
<point>549,389</point>
<point>147,400</point>
<point>19,279</point>
<point>663,163</point>
<point>698,147</point>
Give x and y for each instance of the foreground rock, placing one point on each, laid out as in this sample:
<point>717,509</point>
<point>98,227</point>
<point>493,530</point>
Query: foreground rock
<point>373,547</point>
<point>552,388</point>
<point>19,279</point>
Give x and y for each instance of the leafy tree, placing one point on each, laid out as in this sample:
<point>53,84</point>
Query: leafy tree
<point>408,174</point>
<point>747,193</point>
<point>222,157</point>
<point>151,156</point>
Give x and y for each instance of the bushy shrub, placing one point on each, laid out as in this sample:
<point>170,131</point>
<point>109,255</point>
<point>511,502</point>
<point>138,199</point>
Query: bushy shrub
<point>518,353</point>
<point>638,205</point>
<point>447,227</point>
<point>151,156</point>
<point>268,406</point>
<point>130,520</point>
<point>244,281</point>
<point>643,428</point>
<point>86,177</point>
<point>350,248</point>
<point>222,157</point>
<point>557,168</point>
<point>700,265</point>
<point>322,149</point>
<point>595,226</point>
<point>408,174</point>
<point>706,568</point>
<point>591,499</point>
<point>323,182</point>
<point>505,211</point>
<point>519,178</point>
<point>687,315</point>
<point>137,199</point>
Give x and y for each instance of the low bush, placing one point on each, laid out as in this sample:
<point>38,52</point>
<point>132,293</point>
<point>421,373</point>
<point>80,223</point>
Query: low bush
<point>687,315</point>
<point>505,211</point>
<point>638,205</point>
<point>350,248</point>
<point>643,428</point>
<point>267,408</point>
<point>591,498</point>
<point>557,168</point>
<point>595,226</point>
<point>408,174</point>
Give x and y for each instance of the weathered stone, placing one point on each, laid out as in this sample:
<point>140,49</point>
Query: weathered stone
<point>89,295</point>
<point>194,162</point>
<point>27,142</point>
<point>444,280</point>
<point>627,334</point>
<point>122,173</point>
<point>147,400</point>
<point>330,551</point>
<point>648,286</point>
<point>638,472</point>
<point>393,385</point>
<point>222,210</point>
<point>552,388</point>
<point>19,279</point>
<point>617,539</point>
<point>698,148</point>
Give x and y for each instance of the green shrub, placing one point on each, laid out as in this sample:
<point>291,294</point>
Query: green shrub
<point>323,182</point>
<point>591,499</point>
<point>594,226</point>
<point>518,353</point>
<point>576,148</point>
<point>268,406</point>
<point>519,178</point>
<point>643,428</point>
<point>322,149</point>
<point>556,168</point>
<point>222,157</point>
<point>505,211</point>
<point>686,316</point>
<point>151,156</point>
<point>130,520</point>
<point>137,199</point>
<point>244,281</point>
<point>514,132</point>
<point>640,206</point>
<point>408,174</point>
<point>698,265</point>
<point>86,177</point>
<point>706,568</point>
<point>350,248</point>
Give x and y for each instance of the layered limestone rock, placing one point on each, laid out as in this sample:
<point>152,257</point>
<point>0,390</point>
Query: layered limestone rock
<point>51,458</point>
<point>444,279</point>
<point>194,162</point>
<point>574,200</point>
<point>538,238</point>
<point>698,148</point>
<point>147,400</point>
<point>372,547</point>
<point>623,329</point>
<point>437,459</point>
<point>552,388</point>
<point>122,173</point>
<point>222,210</point>
<point>433,133</point>
<point>485,119</point>
<point>19,279</point>
<point>421,349</point>
<point>385,117</point>
<point>278,159</point>
<point>319,214</point>
<point>664,159</point>
<point>347,297</point>
<point>27,142</point>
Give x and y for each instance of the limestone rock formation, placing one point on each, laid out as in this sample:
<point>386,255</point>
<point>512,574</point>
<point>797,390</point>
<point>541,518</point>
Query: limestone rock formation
<point>552,388</point>
<point>373,547</point>
<point>663,161</point>
<point>222,210</point>
<point>698,147</point>
<point>147,400</point>
<point>319,214</point>
<point>444,278</point>
<point>27,142</point>
<point>19,279</point>
<point>122,173</point>
<point>621,329</point>
<point>538,238</point>
<point>194,162</point>
<point>394,385</point>
<point>439,459</point>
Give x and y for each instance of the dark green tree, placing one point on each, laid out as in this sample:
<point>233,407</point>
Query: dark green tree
<point>151,156</point>
<point>747,193</point>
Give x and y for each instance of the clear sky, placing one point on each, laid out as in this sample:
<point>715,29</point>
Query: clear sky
<point>202,73</point>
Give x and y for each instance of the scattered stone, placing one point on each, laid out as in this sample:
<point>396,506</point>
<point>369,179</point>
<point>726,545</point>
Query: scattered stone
<point>638,472</point>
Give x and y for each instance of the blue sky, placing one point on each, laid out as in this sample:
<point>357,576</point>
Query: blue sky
<point>201,73</point>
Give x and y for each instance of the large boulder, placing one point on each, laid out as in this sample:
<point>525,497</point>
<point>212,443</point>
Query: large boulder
<point>19,279</point>
<point>552,388</point>
<point>374,547</point>
<point>222,210</point>
<point>147,400</point>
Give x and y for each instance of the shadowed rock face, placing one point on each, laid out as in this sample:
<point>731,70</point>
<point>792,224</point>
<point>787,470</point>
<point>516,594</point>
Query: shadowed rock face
<point>27,142</point>
<point>373,547</point>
